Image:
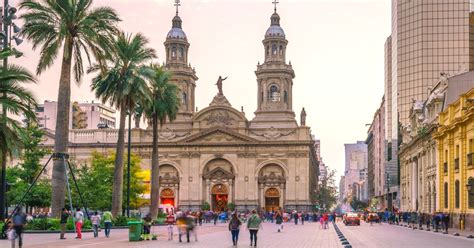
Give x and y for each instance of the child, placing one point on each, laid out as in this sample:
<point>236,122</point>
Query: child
<point>11,234</point>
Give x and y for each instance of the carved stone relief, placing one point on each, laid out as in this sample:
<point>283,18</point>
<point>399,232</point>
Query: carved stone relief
<point>272,133</point>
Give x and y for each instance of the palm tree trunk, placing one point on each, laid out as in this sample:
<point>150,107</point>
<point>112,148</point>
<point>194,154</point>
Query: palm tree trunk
<point>155,166</point>
<point>117,190</point>
<point>61,138</point>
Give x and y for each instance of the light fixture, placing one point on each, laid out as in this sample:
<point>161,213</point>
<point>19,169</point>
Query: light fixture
<point>470,184</point>
<point>2,35</point>
<point>11,10</point>
<point>16,29</point>
<point>18,41</point>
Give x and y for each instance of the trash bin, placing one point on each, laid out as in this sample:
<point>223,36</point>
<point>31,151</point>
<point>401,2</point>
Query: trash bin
<point>135,229</point>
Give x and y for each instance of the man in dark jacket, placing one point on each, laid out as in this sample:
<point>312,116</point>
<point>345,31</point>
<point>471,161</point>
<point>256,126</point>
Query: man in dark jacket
<point>19,220</point>
<point>446,222</point>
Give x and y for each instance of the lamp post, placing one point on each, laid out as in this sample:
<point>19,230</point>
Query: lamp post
<point>5,39</point>
<point>387,181</point>
<point>129,148</point>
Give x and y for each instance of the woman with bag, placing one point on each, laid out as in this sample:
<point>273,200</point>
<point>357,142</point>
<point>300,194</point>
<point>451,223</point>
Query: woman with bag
<point>234,228</point>
<point>279,220</point>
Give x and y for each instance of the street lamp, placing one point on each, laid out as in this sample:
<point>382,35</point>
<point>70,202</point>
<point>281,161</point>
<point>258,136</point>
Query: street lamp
<point>387,181</point>
<point>8,25</point>
<point>470,184</point>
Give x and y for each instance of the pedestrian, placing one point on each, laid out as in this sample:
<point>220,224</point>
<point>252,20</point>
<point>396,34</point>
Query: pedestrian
<point>321,221</point>
<point>63,222</point>
<point>147,222</point>
<point>428,217</point>
<point>295,216</point>
<point>234,228</point>
<point>181,223</point>
<point>19,220</point>
<point>253,225</point>
<point>446,222</point>
<point>215,216</point>
<point>325,218</point>
<point>279,220</point>
<point>79,221</point>
<point>107,216</point>
<point>170,222</point>
<point>302,218</point>
<point>95,219</point>
<point>10,232</point>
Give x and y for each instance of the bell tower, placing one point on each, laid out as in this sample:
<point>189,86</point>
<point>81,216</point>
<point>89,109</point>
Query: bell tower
<point>275,80</point>
<point>183,75</point>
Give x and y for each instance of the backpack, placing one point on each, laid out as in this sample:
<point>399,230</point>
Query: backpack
<point>234,224</point>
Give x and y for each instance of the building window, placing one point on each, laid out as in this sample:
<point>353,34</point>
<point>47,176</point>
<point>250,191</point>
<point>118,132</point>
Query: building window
<point>456,194</point>
<point>389,151</point>
<point>470,193</point>
<point>173,52</point>
<point>181,53</point>
<point>285,96</point>
<point>446,195</point>
<point>267,52</point>
<point>274,49</point>
<point>184,99</point>
<point>274,94</point>
<point>281,50</point>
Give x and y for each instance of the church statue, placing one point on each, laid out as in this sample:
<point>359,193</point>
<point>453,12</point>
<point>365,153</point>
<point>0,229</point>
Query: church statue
<point>219,84</point>
<point>303,117</point>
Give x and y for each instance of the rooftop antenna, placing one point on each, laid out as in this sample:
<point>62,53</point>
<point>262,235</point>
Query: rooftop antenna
<point>177,3</point>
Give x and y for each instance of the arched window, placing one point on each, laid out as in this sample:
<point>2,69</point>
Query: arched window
<point>285,96</point>
<point>274,49</point>
<point>184,98</point>
<point>267,52</point>
<point>281,50</point>
<point>456,194</point>
<point>445,195</point>
<point>274,94</point>
<point>181,53</point>
<point>173,52</point>
<point>470,193</point>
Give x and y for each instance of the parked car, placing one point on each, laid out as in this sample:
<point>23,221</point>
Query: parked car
<point>352,219</point>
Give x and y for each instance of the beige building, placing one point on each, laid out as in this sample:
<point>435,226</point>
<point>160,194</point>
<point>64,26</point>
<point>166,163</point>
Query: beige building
<point>217,155</point>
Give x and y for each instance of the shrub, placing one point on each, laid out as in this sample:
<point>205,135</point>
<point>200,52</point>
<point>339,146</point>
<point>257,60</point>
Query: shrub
<point>205,206</point>
<point>122,220</point>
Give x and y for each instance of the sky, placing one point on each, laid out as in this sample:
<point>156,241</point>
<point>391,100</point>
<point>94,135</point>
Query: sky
<point>336,48</point>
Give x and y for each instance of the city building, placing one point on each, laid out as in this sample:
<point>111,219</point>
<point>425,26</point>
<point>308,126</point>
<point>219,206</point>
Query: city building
<point>378,176</point>
<point>455,137</point>
<point>355,174</point>
<point>418,153</point>
<point>342,192</point>
<point>82,116</point>
<point>216,155</point>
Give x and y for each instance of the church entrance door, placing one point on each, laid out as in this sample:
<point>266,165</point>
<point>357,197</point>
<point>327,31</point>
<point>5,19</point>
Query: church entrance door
<point>219,197</point>
<point>167,197</point>
<point>272,199</point>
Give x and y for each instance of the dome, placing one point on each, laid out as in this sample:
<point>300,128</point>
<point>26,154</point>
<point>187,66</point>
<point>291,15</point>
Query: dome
<point>176,33</point>
<point>275,31</point>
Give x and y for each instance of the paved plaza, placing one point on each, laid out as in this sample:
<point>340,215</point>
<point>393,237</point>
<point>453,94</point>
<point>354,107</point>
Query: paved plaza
<point>308,235</point>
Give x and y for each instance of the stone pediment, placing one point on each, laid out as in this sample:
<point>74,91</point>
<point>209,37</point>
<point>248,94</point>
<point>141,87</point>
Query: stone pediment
<point>218,173</point>
<point>219,135</point>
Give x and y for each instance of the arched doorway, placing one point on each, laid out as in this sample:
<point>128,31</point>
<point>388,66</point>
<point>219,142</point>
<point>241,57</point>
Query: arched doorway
<point>167,197</point>
<point>220,196</point>
<point>272,199</point>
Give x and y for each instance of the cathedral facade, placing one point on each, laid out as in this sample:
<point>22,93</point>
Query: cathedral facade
<point>217,156</point>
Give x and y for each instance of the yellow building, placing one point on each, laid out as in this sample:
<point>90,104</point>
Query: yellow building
<point>455,138</point>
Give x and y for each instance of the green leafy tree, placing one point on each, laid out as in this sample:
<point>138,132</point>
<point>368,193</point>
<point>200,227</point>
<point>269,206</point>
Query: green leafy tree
<point>123,84</point>
<point>163,104</point>
<point>327,192</point>
<point>15,100</point>
<point>95,182</point>
<point>78,29</point>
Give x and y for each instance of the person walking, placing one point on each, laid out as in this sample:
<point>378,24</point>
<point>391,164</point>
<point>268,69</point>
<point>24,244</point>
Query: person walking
<point>95,219</point>
<point>19,220</point>
<point>63,222</point>
<point>107,216</point>
<point>253,225</point>
<point>234,228</point>
<point>295,216</point>
<point>279,220</point>
<point>446,222</point>
<point>170,221</point>
<point>302,218</point>
<point>79,220</point>
<point>147,222</point>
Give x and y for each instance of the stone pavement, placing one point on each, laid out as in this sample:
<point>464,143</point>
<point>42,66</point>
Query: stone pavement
<point>384,235</point>
<point>309,235</point>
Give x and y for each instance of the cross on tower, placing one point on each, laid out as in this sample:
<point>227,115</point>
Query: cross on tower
<point>177,3</point>
<point>275,2</point>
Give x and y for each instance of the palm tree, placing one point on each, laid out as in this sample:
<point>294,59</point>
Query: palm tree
<point>78,29</point>
<point>162,105</point>
<point>123,84</point>
<point>17,101</point>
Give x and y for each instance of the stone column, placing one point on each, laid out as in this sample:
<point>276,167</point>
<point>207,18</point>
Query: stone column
<point>208,191</point>
<point>231,191</point>
<point>261,195</point>
<point>176,196</point>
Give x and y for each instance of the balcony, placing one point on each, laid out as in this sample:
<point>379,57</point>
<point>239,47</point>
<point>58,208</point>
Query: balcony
<point>456,164</point>
<point>470,159</point>
<point>445,167</point>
